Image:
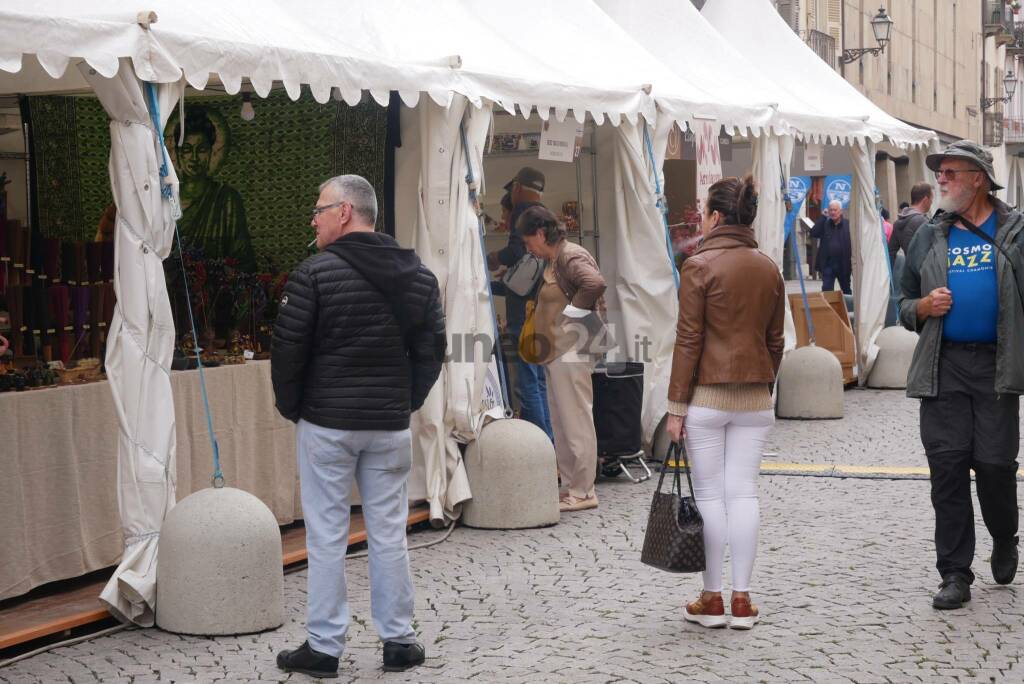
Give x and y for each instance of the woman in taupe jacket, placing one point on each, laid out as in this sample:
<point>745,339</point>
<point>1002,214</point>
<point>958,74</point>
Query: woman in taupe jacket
<point>568,306</point>
<point>728,348</point>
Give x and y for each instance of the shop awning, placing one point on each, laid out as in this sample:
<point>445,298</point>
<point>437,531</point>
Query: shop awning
<point>756,30</point>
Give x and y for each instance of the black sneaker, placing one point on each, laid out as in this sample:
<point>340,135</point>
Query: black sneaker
<point>309,662</point>
<point>399,657</point>
<point>953,593</point>
<point>1004,560</point>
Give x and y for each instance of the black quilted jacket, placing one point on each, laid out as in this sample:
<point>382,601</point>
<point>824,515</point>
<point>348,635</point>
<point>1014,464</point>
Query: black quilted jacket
<point>360,337</point>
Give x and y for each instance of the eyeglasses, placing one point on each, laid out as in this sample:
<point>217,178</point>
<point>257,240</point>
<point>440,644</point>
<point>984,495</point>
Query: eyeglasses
<point>951,174</point>
<point>319,210</point>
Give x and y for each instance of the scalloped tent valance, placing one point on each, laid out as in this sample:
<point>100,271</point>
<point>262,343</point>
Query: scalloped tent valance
<point>570,56</point>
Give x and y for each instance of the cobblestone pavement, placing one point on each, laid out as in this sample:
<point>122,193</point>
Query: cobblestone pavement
<point>844,580</point>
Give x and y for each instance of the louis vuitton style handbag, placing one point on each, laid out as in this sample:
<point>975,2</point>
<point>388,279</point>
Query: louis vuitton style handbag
<point>674,540</point>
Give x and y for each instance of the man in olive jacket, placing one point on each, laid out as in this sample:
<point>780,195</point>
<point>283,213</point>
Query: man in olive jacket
<point>961,292</point>
<point>358,343</point>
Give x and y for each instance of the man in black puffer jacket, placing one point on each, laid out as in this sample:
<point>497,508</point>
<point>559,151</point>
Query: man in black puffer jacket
<point>358,343</point>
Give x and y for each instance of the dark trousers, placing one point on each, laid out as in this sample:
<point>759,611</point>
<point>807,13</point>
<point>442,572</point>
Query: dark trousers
<point>833,273</point>
<point>969,426</point>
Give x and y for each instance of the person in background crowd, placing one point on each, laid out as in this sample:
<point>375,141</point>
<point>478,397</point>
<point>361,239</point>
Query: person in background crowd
<point>903,205</point>
<point>358,343</point>
<point>729,341</point>
<point>884,213</point>
<point>572,285</point>
<point>525,190</point>
<point>835,250</point>
<point>962,295</point>
<point>910,219</point>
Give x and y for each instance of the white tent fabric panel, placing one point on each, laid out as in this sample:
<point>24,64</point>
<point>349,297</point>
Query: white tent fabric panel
<point>141,339</point>
<point>443,216</point>
<point>641,295</point>
<point>1001,168</point>
<point>870,258</point>
<point>773,155</point>
<point>755,29</point>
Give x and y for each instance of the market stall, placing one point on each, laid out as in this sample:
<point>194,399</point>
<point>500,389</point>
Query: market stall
<point>574,64</point>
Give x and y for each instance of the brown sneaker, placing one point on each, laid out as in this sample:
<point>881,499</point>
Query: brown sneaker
<point>744,613</point>
<point>708,611</point>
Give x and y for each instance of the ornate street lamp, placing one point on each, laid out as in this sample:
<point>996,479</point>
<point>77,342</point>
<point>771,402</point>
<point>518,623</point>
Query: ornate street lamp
<point>1009,85</point>
<point>881,26</point>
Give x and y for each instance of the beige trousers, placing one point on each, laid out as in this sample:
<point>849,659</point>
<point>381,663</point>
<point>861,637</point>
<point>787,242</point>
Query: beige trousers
<point>571,404</point>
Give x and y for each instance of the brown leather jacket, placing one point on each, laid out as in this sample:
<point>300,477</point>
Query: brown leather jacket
<point>731,309</point>
<point>580,278</point>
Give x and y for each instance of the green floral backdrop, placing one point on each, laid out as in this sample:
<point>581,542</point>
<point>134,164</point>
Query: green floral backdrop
<point>275,162</point>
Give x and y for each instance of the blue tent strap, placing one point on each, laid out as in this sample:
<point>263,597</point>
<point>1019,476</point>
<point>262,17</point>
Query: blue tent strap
<point>167,193</point>
<point>471,183</point>
<point>662,207</point>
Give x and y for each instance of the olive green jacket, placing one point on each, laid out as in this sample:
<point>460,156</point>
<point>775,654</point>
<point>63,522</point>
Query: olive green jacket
<point>926,269</point>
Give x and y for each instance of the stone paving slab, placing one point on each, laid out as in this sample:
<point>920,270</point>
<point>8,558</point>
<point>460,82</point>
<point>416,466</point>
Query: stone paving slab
<point>878,428</point>
<point>844,579</point>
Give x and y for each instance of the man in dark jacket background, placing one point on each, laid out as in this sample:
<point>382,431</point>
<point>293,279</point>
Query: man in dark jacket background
<point>835,251</point>
<point>910,219</point>
<point>358,344</point>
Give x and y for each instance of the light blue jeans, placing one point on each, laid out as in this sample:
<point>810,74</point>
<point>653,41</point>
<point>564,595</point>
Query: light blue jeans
<point>380,462</point>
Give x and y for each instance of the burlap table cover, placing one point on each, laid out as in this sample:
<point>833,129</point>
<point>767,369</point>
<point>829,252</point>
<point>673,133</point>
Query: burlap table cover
<point>58,467</point>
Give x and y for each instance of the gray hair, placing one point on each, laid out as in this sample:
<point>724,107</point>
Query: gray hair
<point>357,191</point>
<point>836,203</point>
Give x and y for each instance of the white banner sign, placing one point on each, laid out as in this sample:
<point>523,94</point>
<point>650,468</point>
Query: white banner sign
<point>709,161</point>
<point>812,157</point>
<point>560,141</point>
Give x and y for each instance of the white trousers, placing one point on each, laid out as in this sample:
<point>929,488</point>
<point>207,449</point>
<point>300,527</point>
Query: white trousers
<point>724,448</point>
<point>380,461</point>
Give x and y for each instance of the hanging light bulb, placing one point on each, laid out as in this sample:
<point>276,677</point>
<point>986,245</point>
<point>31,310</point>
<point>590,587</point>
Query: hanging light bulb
<point>247,113</point>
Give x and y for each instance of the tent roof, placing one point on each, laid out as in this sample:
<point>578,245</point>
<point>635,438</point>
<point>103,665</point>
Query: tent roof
<point>563,55</point>
<point>681,38</point>
<point>756,30</point>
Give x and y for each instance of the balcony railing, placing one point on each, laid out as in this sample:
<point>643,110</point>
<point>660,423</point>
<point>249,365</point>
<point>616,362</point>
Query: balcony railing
<point>999,21</point>
<point>823,45</point>
<point>1013,129</point>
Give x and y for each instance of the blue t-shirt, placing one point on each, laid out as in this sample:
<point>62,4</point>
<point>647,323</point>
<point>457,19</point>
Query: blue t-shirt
<point>972,280</point>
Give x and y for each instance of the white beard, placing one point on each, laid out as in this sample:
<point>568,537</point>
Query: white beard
<point>952,204</point>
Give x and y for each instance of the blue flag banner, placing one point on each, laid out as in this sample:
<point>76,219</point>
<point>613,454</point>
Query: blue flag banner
<point>799,186</point>
<point>837,188</point>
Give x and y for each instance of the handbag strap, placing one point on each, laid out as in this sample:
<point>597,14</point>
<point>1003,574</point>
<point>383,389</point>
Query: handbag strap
<point>677,451</point>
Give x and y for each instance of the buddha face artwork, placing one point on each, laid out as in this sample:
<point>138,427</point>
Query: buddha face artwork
<point>213,213</point>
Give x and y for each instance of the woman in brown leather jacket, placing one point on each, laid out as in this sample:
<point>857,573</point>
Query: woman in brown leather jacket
<point>729,341</point>
<point>569,307</point>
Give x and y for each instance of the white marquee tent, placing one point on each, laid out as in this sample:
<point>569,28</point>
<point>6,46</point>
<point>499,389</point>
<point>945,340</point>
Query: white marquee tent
<point>463,55</point>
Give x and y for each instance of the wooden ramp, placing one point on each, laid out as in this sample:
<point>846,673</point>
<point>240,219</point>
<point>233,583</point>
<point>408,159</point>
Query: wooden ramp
<point>55,609</point>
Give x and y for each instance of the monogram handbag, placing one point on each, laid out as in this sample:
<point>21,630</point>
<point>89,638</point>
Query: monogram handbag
<point>674,540</point>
